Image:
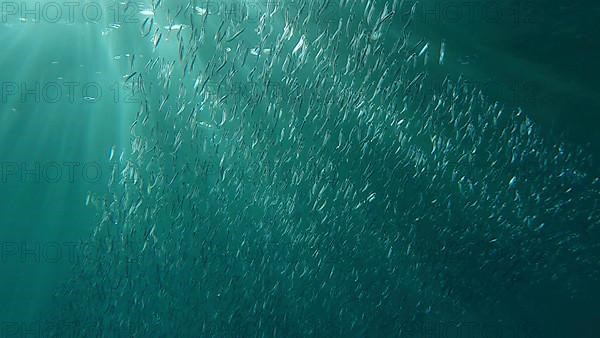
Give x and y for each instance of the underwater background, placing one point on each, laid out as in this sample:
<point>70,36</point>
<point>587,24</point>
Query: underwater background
<point>299,168</point>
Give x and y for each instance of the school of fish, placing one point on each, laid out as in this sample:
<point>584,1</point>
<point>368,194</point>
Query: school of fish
<point>299,174</point>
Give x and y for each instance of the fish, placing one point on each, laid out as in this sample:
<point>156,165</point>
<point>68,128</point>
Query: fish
<point>299,45</point>
<point>157,38</point>
<point>128,77</point>
<point>442,52</point>
<point>235,35</point>
<point>177,27</point>
<point>309,160</point>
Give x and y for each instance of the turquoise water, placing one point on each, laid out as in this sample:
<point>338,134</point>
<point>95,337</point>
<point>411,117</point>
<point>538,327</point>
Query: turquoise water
<point>307,168</point>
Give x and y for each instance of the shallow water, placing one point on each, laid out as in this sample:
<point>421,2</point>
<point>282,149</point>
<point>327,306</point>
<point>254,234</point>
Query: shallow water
<point>356,184</point>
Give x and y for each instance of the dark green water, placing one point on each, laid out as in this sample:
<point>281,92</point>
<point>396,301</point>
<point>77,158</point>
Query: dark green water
<point>336,187</point>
